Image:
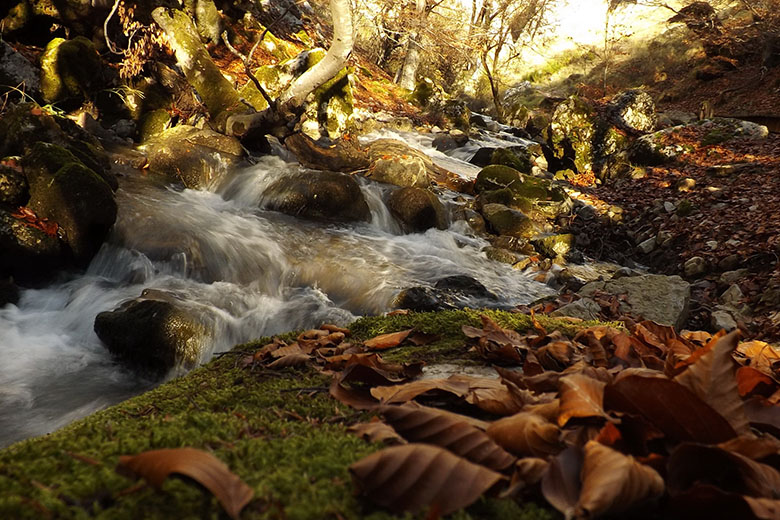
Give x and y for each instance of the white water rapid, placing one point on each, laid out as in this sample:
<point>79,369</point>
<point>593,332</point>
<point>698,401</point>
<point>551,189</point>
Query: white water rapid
<point>247,271</point>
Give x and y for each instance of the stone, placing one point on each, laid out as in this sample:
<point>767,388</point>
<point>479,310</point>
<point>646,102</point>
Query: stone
<point>444,142</point>
<point>532,195</point>
<point>633,111</point>
<point>417,209</point>
<point>451,292</point>
<point>648,245</point>
<point>506,221</point>
<point>497,254</point>
<point>663,238</point>
<point>732,296</point>
<point>198,158</point>
<point>17,71</point>
<point>695,266</point>
<point>319,195</point>
<point>70,69</point>
<point>669,207</point>
<point>65,191</point>
<point>722,320</point>
<point>685,184</point>
<point>394,162</point>
<point>554,246</point>
<point>663,299</point>
<point>28,253</point>
<point>13,187</point>
<point>572,131</point>
<point>152,336</point>
<point>584,309</point>
<point>729,277</point>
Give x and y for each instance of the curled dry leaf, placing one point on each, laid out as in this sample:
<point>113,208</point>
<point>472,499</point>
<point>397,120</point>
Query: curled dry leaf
<point>335,328</point>
<point>416,477</point>
<point>428,425</point>
<point>669,407</point>
<point>613,482</point>
<point>357,398</point>
<point>561,482</point>
<point>763,415</point>
<point>751,382</point>
<point>528,472</point>
<point>526,434</point>
<point>712,378</point>
<point>372,370</point>
<point>581,397</point>
<point>408,391</point>
<point>290,360</point>
<point>761,356</point>
<point>556,355</point>
<point>386,341</point>
<point>376,431</point>
<point>691,464</point>
<point>204,468</point>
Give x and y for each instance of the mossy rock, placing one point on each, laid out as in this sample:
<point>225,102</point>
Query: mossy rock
<point>554,246</point>
<point>423,92</point>
<point>70,69</point>
<point>519,159</point>
<point>153,124</point>
<point>572,130</point>
<point>25,124</point>
<point>65,191</point>
<point>496,177</point>
<point>507,221</point>
<point>14,190</point>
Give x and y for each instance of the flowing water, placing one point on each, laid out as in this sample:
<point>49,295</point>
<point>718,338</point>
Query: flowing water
<point>247,272</point>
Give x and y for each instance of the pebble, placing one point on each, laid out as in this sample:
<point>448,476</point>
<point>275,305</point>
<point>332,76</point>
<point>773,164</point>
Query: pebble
<point>669,207</point>
<point>695,266</point>
<point>712,244</point>
<point>721,319</point>
<point>647,246</point>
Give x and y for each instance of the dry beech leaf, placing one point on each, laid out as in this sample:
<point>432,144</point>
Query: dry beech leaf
<point>357,398</point>
<point>386,341</point>
<point>204,468</point>
<point>751,381</point>
<point>286,351</point>
<point>376,431</point>
<point>755,448</point>
<point>763,415</point>
<point>526,434</point>
<point>556,355</point>
<point>613,482</point>
<point>372,370</point>
<point>407,392</point>
<point>430,426</point>
<point>669,407</point>
<point>581,397</point>
<point>764,508</point>
<point>417,477</point>
<point>528,472</point>
<point>759,355</point>
<point>549,411</point>
<point>710,502</point>
<point>712,378</point>
<point>290,360</point>
<point>335,328</point>
<point>561,482</point>
<point>691,464</point>
<point>476,423</point>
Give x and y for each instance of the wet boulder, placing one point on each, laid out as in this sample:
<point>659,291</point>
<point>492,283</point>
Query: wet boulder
<point>503,220</point>
<point>14,190</point>
<point>394,162</point>
<point>65,191</point>
<point>417,209</point>
<point>26,251</point>
<point>319,195</point>
<point>451,292</point>
<point>517,157</point>
<point>196,157</point>
<point>152,335</point>
<point>70,70</point>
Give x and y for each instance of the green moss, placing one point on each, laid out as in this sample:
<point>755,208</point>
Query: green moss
<point>69,68</point>
<point>496,177</point>
<point>519,161</point>
<point>278,430</point>
<point>717,136</point>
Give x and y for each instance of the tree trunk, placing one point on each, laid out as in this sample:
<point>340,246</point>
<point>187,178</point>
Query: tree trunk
<point>408,76</point>
<point>279,119</point>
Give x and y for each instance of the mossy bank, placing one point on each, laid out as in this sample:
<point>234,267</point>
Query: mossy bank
<point>279,431</point>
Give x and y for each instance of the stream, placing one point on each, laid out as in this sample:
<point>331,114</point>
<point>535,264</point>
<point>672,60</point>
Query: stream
<point>246,271</point>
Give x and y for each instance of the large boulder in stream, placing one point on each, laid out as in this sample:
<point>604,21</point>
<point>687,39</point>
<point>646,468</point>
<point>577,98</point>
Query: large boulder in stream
<point>153,334</point>
<point>193,156</point>
<point>417,209</point>
<point>537,197</point>
<point>394,162</point>
<point>320,195</point>
<point>68,193</point>
<point>451,292</point>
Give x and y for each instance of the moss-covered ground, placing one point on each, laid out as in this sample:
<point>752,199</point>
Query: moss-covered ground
<point>278,430</point>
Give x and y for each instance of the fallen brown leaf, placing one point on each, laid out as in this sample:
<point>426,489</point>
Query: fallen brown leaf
<point>430,426</point>
<point>207,470</point>
<point>526,434</point>
<point>376,431</point>
<point>416,477</point>
<point>386,341</point>
<point>581,397</point>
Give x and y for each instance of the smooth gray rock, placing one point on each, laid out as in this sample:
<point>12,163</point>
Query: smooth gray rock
<point>663,299</point>
<point>584,309</point>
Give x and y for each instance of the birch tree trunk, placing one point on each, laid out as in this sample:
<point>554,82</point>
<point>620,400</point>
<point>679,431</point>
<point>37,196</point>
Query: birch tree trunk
<point>287,108</point>
<point>408,75</point>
